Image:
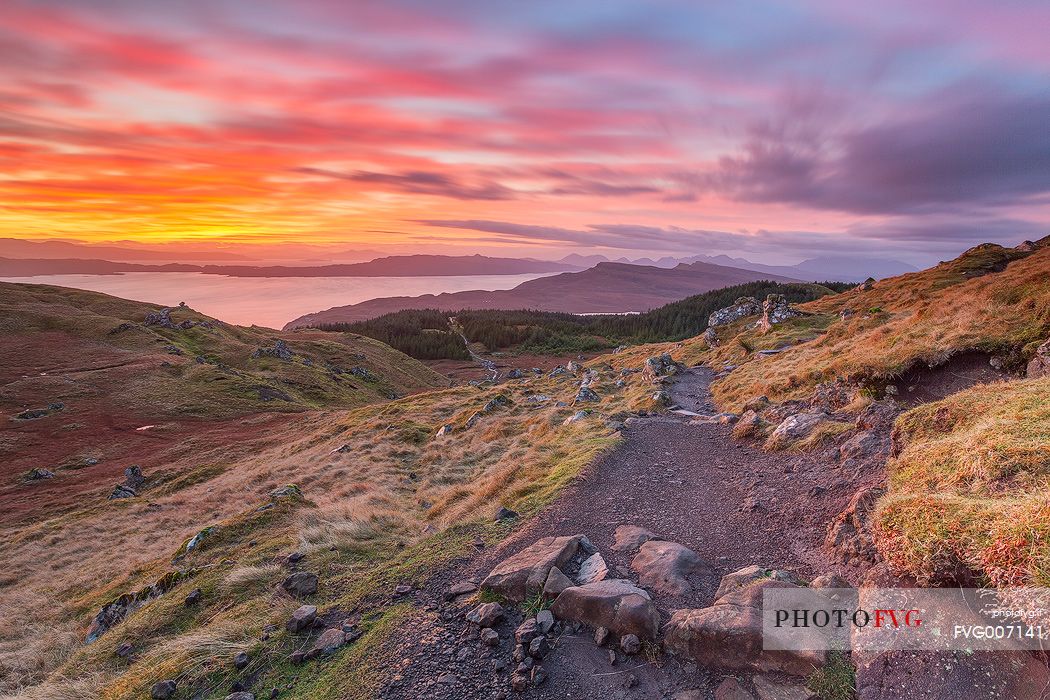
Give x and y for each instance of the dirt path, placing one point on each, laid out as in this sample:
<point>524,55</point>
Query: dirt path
<point>731,502</point>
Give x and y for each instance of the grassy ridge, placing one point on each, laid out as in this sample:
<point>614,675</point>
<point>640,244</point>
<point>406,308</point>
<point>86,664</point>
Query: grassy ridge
<point>424,334</point>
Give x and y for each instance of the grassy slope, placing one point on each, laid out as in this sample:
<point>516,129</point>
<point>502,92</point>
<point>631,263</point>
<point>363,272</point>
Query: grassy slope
<point>55,330</point>
<point>393,505</point>
<point>920,317</point>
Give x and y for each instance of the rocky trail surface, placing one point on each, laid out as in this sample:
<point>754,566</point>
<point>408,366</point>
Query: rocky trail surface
<point>687,481</point>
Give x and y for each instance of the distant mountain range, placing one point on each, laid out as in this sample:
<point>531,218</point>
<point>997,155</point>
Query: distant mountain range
<point>826,267</point>
<point>393,266</point>
<point>605,288</point>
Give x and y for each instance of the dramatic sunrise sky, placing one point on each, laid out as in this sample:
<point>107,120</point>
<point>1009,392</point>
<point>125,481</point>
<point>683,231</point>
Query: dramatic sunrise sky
<point>775,130</point>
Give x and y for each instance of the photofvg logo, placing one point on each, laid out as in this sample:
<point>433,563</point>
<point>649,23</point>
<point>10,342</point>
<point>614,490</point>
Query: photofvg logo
<point>883,619</point>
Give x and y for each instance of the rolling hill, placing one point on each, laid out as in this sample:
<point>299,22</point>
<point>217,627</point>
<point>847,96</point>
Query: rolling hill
<point>605,288</point>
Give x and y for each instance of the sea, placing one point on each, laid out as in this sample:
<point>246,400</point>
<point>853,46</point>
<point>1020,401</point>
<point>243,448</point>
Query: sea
<point>267,301</point>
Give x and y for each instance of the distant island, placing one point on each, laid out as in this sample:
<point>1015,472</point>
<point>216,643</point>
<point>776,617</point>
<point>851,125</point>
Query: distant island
<point>392,266</point>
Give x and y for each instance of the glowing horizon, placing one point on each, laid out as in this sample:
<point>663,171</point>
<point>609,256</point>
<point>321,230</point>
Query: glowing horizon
<point>767,129</point>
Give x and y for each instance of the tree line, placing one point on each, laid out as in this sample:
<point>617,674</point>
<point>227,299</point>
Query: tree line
<point>426,334</point>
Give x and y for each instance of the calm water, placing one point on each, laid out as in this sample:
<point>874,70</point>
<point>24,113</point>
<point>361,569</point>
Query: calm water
<point>267,301</point>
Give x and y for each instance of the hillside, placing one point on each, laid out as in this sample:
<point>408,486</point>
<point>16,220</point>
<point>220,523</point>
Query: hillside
<point>605,288</point>
<point>111,387</point>
<point>391,266</point>
<point>426,334</point>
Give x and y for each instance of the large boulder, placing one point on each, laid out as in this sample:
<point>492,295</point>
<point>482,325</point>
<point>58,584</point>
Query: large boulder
<point>794,428</point>
<point>1039,366</point>
<point>728,635</point>
<point>525,573</point>
<point>776,309</point>
<point>615,604</point>
<point>665,566</point>
<point>741,308</point>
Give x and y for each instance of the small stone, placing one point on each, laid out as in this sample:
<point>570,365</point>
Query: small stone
<point>329,641</point>
<point>612,656</point>
<point>519,682</point>
<point>124,650</point>
<point>630,680</point>
<point>300,584</point>
<point>162,690</point>
<point>402,589</point>
<point>461,588</point>
<point>302,618</point>
<point>499,665</point>
<point>539,648</point>
<point>630,644</point>
<point>600,636</point>
<point>486,614</point>
<point>240,660</point>
<point>538,675</point>
<point>489,637</point>
<point>294,557</point>
<point>505,514</point>
<point>193,598</point>
<point>518,655</point>
<point>527,631</point>
<point>544,621</point>
<point>447,679</point>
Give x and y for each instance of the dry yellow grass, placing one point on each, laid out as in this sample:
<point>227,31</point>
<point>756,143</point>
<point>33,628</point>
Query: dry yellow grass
<point>970,489</point>
<point>376,480</point>
<point>920,317</point>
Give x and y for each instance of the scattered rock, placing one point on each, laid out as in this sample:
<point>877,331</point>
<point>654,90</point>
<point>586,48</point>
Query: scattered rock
<point>538,647</point>
<point>586,395</point>
<point>489,637</point>
<point>120,491</point>
<point>658,366</point>
<point>592,569</point>
<point>1039,366</point>
<point>458,589</point>
<point>665,567</point>
<point>579,415</point>
<point>515,374</point>
<point>601,635</point>
<point>328,643</point>
<point>402,589</point>
<point>829,581</point>
<point>630,644</point>
<point>616,604</point>
<point>544,621</point>
<point>443,430</point>
<point>526,632</point>
<point>280,350</point>
<point>556,583</point>
<point>573,366</point>
<point>526,572</point>
<point>133,478</point>
<point>302,619</point>
<point>628,538</point>
<point>864,444</point>
<point>300,584</point>
<point>160,318</point>
<point>795,427</point>
<point>240,660</point>
<point>741,308</point>
<point>742,578</point>
<point>162,690</point>
<point>38,474</point>
<point>776,309</point>
<point>710,337</point>
<point>193,597</point>
<point>750,424</point>
<point>486,614</point>
<point>661,398</point>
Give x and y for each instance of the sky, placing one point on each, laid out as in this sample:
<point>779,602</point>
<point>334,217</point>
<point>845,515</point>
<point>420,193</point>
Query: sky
<point>772,130</point>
